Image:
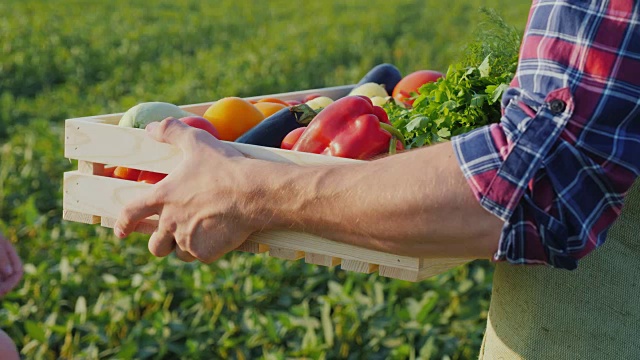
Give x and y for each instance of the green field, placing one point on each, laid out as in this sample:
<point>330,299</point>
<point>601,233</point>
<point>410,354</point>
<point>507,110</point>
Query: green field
<point>88,295</point>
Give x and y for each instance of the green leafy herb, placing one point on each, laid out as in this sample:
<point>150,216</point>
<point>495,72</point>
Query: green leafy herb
<point>469,95</point>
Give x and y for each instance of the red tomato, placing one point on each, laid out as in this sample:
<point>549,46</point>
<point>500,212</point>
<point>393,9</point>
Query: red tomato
<point>108,171</point>
<point>150,177</point>
<point>411,83</point>
<point>291,138</point>
<point>126,173</point>
<point>310,97</point>
<point>201,123</point>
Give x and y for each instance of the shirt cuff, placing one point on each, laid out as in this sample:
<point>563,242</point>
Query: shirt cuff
<point>480,154</point>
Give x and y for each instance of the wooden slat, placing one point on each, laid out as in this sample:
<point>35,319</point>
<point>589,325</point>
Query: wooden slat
<point>319,259</point>
<point>80,217</point>
<point>287,156</point>
<point>104,196</point>
<point>317,245</point>
<point>358,266</point>
<point>92,141</point>
<point>286,254</point>
<point>101,196</point>
<point>399,273</point>
<point>253,247</point>
<point>427,269</point>
<point>91,168</point>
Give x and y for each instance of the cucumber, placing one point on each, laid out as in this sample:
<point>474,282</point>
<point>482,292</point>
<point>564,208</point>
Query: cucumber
<point>271,131</point>
<point>383,74</point>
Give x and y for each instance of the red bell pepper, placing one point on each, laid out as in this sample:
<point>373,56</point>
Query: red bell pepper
<point>351,127</point>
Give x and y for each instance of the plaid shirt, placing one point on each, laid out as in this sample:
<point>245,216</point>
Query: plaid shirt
<point>557,167</point>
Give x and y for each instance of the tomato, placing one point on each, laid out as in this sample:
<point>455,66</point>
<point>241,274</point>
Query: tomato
<point>126,173</point>
<point>108,171</point>
<point>273,100</point>
<point>293,102</point>
<point>268,108</point>
<point>310,97</point>
<point>201,123</point>
<point>291,138</point>
<point>232,117</point>
<point>409,84</point>
<point>150,177</point>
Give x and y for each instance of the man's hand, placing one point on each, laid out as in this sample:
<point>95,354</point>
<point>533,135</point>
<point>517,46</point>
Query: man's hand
<point>10,266</point>
<point>416,203</point>
<point>198,203</point>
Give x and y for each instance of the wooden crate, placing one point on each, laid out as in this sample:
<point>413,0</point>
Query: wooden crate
<point>90,198</point>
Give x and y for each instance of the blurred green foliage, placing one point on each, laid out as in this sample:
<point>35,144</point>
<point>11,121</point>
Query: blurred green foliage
<point>88,295</point>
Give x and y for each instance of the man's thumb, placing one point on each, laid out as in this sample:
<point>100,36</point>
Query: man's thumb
<point>172,131</point>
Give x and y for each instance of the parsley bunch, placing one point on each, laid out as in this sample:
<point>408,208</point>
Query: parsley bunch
<point>469,95</point>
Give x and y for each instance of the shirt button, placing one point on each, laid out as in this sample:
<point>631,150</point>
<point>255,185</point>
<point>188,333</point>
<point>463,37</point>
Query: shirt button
<point>557,106</point>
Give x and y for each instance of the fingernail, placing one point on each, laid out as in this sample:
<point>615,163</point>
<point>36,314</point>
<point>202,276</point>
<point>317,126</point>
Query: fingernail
<point>151,126</point>
<point>8,269</point>
<point>119,233</point>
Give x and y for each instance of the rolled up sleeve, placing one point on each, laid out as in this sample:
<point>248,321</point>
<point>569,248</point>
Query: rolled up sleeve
<point>557,167</point>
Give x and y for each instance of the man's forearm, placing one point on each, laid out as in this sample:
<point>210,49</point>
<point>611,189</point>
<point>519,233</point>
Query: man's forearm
<point>415,203</point>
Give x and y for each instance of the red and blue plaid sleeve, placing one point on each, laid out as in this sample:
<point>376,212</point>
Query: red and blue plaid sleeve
<point>567,149</point>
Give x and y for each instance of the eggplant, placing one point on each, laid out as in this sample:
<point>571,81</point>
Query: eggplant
<point>383,74</point>
<point>271,131</point>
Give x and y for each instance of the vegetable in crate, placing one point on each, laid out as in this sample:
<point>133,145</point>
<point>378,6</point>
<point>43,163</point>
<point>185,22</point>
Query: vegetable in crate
<point>269,108</point>
<point>198,122</point>
<point>469,96</point>
<point>410,85</point>
<point>351,127</point>
<point>272,130</point>
<point>291,138</point>
<point>142,114</point>
<point>201,123</point>
<point>386,75</point>
<point>150,177</point>
<point>370,90</point>
<point>310,97</point>
<point>272,100</point>
<point>108,171</point>
<point>232,117</point>
<point>465,99</point>
<point>379,100</point>
<point>125,173</point>
<point>319,102</point>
